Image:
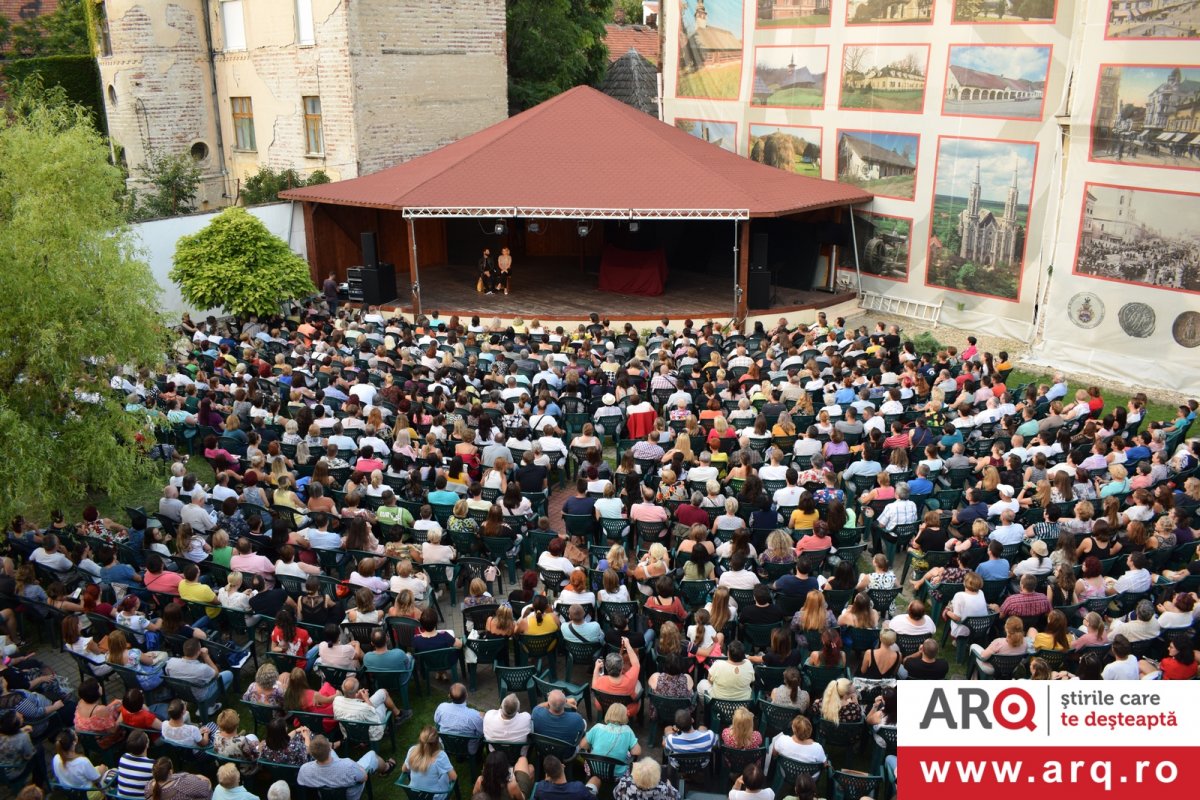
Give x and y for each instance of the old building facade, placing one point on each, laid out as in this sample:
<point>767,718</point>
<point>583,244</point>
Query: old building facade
<point>347,88</point>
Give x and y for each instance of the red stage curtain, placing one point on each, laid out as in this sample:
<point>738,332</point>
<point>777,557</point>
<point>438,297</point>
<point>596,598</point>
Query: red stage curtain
<point>641,272</point>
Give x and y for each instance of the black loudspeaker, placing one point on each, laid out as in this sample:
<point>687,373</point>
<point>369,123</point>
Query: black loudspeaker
<point>758,251</point>
<point>370,249</point>
<point>758,290</point>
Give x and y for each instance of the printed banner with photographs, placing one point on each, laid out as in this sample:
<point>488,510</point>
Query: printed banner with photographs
<point>916,99</point>
<point>1124,301</point>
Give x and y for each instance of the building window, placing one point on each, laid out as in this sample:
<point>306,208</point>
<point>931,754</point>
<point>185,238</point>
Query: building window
<point>104,35</point>
<point>243,123</point>
<point>314,137</point>
<point>305,34</point>
<point>233,25</point>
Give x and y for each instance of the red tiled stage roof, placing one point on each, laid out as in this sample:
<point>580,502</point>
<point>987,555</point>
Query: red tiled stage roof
<point>584,150</point>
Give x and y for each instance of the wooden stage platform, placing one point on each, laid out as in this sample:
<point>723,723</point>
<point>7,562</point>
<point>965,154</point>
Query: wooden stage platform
<point>557,292</point>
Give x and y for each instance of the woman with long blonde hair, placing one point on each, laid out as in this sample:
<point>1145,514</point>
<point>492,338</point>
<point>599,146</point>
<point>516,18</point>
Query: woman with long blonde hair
<point>722,608</point>
<point>840,702</point>
<point>815,614</point>
<point>427,764</point>
<point>502,623</point>
<point>741,734</point>
<point>779,548</point>
<point>990,479</point>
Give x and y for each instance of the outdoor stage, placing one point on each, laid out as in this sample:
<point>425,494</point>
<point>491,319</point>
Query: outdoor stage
<point>549,290</point>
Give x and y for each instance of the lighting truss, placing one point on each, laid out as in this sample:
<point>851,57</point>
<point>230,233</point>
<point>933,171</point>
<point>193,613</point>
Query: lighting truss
<point>576,213</point>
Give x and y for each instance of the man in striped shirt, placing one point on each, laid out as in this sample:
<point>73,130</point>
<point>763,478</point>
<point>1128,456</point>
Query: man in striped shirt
<point>684,737</point>
<point>134,768</point>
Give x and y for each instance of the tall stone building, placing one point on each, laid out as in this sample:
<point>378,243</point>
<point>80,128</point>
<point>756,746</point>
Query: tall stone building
<point>989,240</point>
<point>344,87</point>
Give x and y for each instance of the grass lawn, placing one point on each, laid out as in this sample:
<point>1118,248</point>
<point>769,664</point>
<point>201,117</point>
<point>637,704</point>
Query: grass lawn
<point>1157,411</point>
<point>722,82</point>
<point>799,98</point>
<point>809,169</point>
<point>795,22</point>
<point>901,186</point>
<point>906,100</point>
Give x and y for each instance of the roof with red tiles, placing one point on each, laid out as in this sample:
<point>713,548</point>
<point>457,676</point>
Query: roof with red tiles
<point>622,38</point>
<point>572,152</point>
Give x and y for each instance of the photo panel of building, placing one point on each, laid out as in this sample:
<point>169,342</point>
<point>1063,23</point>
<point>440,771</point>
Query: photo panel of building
<point>1147,115</point>
<point>721,133</point>
<point>883,246</point>
<point>888,77</point>
<point>790,77</point>
<point>884,164</point>
<point>980,215</point>
<point>889,12</point>
<point>1141,236</point>
<point>1153,19</point>
<point>710,49</point>
<point>1006,12</point>
<point>792,13</point>
<point>790,147</point>
<point>1001,81</point>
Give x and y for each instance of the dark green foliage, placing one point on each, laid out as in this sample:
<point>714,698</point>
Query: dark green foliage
<point>265,185</point>
<point>554,45</point>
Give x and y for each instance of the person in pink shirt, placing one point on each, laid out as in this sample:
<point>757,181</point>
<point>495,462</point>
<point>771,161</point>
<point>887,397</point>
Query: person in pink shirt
<point>246,561</point>
<point>158,579</point>
<point>647,511</point>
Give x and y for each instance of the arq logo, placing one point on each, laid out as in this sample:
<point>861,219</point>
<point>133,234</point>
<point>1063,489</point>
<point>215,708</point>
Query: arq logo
<point>1011,709</point>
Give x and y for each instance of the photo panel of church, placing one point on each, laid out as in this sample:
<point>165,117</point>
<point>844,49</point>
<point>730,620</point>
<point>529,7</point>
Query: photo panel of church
<point>884,164</point>
<point>980,215</point>
<point>1011,12</point>
<point>1141,236</point>
<point>883,246</point>
<point>1147,115</point>
<point>790,77</point>
<point>710,49</point>
<point>887,77</point>
<point>889,12</point>
<point>1153,19</point>
<point>722,134</point>
<point>791,13</point>
<point>788,147</point>
<point>1003,81</point>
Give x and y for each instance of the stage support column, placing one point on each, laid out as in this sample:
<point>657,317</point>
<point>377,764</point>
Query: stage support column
<point>743,274</point>
<point>416,275</point>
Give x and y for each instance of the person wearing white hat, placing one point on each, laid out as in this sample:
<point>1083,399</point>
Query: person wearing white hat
<point>1038,562</point>
<point>609,411</point>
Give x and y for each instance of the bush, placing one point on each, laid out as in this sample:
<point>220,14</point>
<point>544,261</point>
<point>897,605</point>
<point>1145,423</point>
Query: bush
<point>925,342</point>
<point>265,185</point>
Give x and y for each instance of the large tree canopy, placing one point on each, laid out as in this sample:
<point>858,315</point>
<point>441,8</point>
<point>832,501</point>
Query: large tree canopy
<point>554,45</point>
<point>75,303</point>
<point>237,264</point>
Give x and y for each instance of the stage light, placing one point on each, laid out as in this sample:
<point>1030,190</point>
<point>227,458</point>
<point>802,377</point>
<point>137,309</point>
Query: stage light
<point>534,227</point>
<point>633,227</point>
<point>584,230</point>
<point>500,228</point>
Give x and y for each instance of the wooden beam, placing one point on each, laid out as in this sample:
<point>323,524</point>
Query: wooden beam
<point>310,242</point>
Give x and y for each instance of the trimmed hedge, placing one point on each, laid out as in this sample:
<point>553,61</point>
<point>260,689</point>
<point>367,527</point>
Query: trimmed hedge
<point>77,74</point>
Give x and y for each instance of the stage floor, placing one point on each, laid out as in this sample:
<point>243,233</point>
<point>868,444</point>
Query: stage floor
<point>554,291</point>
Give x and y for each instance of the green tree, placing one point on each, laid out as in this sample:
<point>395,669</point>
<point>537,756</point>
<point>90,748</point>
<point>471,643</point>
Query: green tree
<point>265,185</point>
<point>554,45</point>
<point>65,32</point>
<point>628,12</point>
<point>76,304</point>
<point>235,263</point>
<point>173,182</point>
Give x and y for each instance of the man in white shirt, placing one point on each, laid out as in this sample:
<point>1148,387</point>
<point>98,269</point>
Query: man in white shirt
<point>705,472</point>
<point>737,576</point>
<point>170,505</point>
<point>1008,532</point>
<point>371,439</point>
<point>508,723</point>
<point>871,421</point>
<point>1018,448</point>
<point>1124,666</point>
<point>1137,578</point>
<point>364,390</point>
<point>789,495</point>
<point>552,445</point>
<point>807,446</point>
<point>194,514</point>
<point>359,705</point>
<point>49,555</point>
<point>340,440</point>
<point>867,465</point>
<point>221,491</point>
<point>914,623</point>
<point>1005,503</point>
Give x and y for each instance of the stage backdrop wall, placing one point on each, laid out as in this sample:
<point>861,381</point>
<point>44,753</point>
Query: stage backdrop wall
<point>944,112</point>
<point>1124,301</point>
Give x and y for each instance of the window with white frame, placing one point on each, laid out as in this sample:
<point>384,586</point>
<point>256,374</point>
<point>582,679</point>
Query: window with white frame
<point>233,25</point>
<point>305,32</point>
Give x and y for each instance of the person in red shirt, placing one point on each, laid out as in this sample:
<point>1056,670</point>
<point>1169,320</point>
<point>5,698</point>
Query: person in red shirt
<point>1180,663</point>
<point>135,714</point>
